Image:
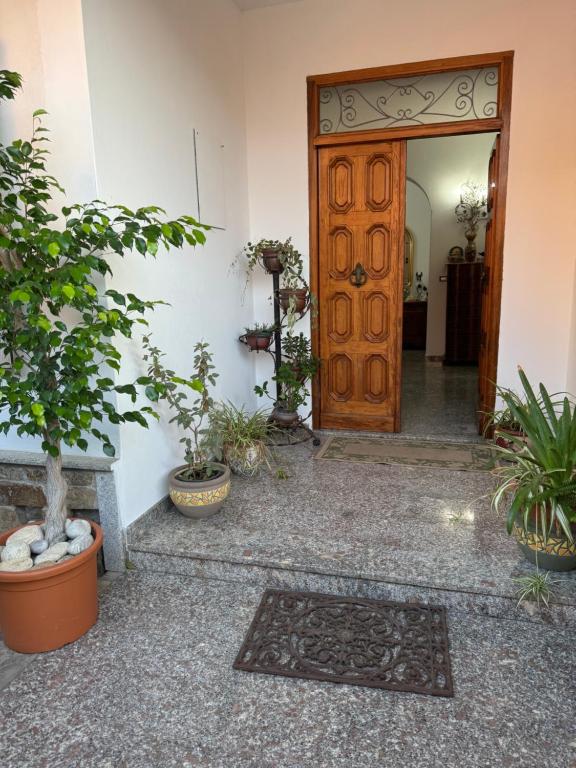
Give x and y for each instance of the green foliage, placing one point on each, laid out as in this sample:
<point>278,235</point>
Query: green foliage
<point>10,82</point>
<point>58,330</point>
<point>298,367</point>
<point>175,391</point>
<point>503,418</point>
<point>237,427</point>
<point>297,352</point>
<point>289,257</point>
<point>260,329</point>
<point>537,587</point>
<point>538,475</point>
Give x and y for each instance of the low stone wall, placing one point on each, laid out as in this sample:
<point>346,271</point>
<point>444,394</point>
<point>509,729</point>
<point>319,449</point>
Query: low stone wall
<point>91,494</point>
<point>22,497</point>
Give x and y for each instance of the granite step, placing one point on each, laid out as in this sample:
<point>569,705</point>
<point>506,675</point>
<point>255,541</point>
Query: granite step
<point>381,531</point>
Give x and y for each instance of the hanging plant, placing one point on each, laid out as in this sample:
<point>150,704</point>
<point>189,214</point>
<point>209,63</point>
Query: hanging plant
<point>258,337</point>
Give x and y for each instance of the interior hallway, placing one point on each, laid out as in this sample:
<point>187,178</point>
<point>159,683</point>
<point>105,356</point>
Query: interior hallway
<point>437,400</point>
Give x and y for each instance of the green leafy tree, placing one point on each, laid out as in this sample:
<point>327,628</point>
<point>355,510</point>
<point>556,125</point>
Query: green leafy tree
<point>58,329</point>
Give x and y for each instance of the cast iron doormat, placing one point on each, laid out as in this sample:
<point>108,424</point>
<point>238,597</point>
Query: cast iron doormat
<point>398,646</point>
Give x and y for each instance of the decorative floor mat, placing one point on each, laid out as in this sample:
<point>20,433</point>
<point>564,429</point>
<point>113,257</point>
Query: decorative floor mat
<point>397,646</point>
<point>422,453</point>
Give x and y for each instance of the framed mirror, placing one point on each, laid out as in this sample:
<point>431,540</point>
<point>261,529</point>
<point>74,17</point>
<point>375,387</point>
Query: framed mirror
<point>408,262</point>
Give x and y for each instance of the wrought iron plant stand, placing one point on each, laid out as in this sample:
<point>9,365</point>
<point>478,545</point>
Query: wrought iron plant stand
<point>297,431</point>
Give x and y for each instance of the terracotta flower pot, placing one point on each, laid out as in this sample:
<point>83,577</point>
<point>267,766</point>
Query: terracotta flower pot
<point>271,261</point>
<point>300,298</point>
<point>45,608</point>
<point>258,341</point>
<point>202,498</point>
<point>502,440</point>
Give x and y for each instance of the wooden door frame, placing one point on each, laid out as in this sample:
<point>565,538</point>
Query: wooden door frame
<point>500,124</point>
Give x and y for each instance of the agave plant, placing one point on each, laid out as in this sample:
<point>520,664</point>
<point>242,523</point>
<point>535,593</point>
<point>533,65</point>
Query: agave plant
<point>539,472</point>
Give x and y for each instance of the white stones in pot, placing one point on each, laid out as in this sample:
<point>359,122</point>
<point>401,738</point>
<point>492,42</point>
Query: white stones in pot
<point>76,528</point>
<point>25,535</point>
<point>80,543</point>
<point>53,553</point>
<point>39,546</point>
<point>15,550</point>
<point>27,548</point>
<point>16,565</point>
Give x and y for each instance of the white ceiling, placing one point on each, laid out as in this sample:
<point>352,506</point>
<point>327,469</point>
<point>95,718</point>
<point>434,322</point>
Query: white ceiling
<point>246,5</point>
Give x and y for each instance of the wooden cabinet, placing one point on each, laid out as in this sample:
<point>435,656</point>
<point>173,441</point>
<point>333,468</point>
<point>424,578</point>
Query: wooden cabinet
<point>414,325</point>
<point>463,313</point>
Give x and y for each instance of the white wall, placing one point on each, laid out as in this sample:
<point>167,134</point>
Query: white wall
<point>441,166</point>
<point>419,222</point>
<point>44,42</point>
<point>157,71</point>
<point>571,384</point>
<point>285,43</point>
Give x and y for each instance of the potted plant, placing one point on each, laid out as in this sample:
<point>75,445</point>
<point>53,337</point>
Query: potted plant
<point>267,253</point>
<point>503,425</point>
<point>274,255</point>
<point>297,352</point>
<point>242,437</point>
<point>258,337</point>
<point>293,395</point>
<point>58,348</point>
<point>199,487</point>
<point>538,478</point>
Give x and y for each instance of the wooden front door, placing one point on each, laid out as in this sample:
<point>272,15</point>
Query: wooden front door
<point>361,243</point>
<point>489,321</point>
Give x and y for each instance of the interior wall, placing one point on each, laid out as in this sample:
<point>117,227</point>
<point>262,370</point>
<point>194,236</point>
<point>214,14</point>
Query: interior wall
<point>285,43</point>
<point>441,166</point>
<point>419,222</point>
<point>157,71</point>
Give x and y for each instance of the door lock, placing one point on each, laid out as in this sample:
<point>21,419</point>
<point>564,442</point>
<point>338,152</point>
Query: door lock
<point>358,276</point>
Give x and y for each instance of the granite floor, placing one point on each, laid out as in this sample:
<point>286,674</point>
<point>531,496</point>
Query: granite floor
<point>438,400</point>
<point>352,527</point>
<point>152,686</point>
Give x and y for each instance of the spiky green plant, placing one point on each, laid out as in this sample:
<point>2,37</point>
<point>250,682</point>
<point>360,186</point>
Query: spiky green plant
<point>537,587</point>
<point>539,478</point>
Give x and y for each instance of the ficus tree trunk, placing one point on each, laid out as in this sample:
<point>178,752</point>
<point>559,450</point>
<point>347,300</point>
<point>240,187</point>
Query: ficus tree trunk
<point>56,490</point>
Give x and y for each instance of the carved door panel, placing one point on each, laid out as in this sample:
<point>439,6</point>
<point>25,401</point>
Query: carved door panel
<point>361,241</point>
<point>486,387</point>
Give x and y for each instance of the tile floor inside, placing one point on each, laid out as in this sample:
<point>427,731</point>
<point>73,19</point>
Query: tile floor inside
<point>438,400</point>
<point>152,684</point>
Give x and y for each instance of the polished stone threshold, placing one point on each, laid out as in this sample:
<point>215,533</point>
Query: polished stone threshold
<point>390,532</point>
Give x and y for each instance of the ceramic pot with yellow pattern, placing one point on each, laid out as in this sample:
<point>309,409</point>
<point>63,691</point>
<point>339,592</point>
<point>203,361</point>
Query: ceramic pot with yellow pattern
<point>200,498</point>
<point>557,553</point>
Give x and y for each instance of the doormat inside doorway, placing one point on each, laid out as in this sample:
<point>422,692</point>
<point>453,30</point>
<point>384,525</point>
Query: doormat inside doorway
<point>373,643</point>
<point>420,453</point>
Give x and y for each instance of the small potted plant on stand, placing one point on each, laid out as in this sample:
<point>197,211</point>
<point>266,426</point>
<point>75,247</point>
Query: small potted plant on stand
<point>538,478</point>
<point>258,337</point>
<point>199,487</point>
<point>297,352</point>
<point>58,349</point>
<point>242,437</point>
<point>293,395</point>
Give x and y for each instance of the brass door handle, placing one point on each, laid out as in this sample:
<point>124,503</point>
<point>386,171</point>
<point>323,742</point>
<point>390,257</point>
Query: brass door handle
<point>358,276</point>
